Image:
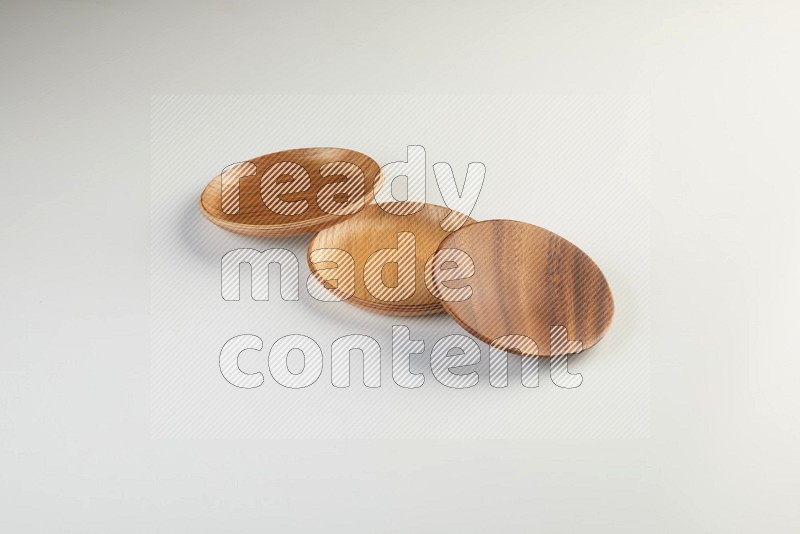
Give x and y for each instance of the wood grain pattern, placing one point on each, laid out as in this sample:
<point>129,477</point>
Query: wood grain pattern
<point>528,279</point>
<point>372,230</point>
<point>255,218</point>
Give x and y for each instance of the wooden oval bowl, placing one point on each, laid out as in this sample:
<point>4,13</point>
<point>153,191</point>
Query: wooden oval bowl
<point>374,229</point>
<point>277,179</point>
<point>527,280</point>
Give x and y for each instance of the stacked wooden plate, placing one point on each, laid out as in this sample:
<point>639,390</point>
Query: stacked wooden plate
<point>372,230</point>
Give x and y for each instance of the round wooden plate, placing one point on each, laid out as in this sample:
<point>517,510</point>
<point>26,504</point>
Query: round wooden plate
<point>362,237</point>
<point>291,192</point>
<point>527,281</point>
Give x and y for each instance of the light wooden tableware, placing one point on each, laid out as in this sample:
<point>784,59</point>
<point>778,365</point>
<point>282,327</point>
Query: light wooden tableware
<point>374,229</point>
<point>277,178</point>
<point>528,280</point>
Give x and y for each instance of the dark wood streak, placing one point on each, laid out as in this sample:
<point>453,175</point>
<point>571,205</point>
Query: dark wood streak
<point>499,264</point>
<point>579,304</point>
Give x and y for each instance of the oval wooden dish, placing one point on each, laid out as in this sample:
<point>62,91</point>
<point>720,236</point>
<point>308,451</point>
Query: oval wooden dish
<point>527,281</point>
<point>364,235</point>
<point>291,192</point>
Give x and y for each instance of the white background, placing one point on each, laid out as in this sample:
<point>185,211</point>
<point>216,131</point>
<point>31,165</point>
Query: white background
<point>719,454</point>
